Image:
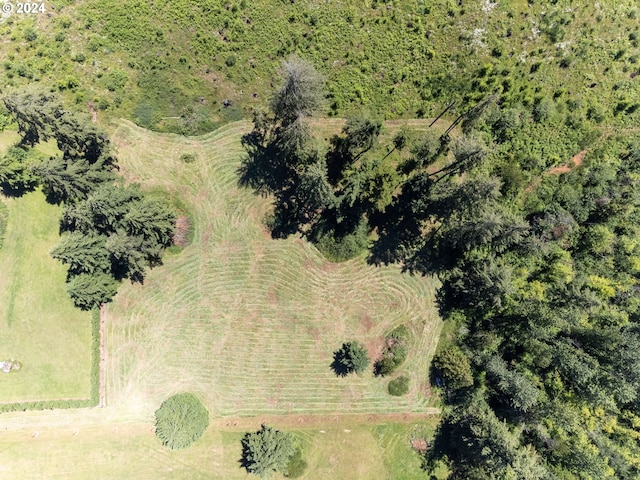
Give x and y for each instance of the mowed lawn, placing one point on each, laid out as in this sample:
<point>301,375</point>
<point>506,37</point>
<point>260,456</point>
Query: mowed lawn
<point>347,452</point>
<point>247,322</point>
<point>38,324</point>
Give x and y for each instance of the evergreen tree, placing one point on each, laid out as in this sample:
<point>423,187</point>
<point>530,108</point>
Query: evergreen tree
<point>89,291</point>
<point>351,357</point>
<point>267,451</point>
<point>83,253</point>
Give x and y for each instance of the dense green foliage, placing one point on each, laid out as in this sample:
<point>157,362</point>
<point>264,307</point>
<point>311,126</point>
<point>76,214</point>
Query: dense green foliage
<point>395,351</point>
<point>399,386</point>
<point>111,232</point>
<point>158,60</point>
<point>297,464</point>
<point>181,420</point>
<point>267,451</point>
<point>453,366</point>
<point>543,282</point>
<point>351,357</point>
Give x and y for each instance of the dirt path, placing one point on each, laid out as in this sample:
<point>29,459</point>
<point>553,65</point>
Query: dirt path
<point>103,359</point>
<point>114,418</point>
<point>576,161</point>
<point>93,111</point>
<point>319,421</point>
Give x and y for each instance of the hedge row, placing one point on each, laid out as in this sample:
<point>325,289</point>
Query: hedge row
<point>70,403</point>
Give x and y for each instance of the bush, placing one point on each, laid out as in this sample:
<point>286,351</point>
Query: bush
<point>296,466</point>
<point>352,357</point>
<point>188,157</point>
<point>338,247</point>
<point>454,367</point>
<point>395,353</point>
<point>181,420</point>
<point>399,386</point>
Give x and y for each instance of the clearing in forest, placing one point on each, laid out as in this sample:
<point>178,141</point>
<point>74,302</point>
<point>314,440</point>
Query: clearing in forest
<point>247,322</point>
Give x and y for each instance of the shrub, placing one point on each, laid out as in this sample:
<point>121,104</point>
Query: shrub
<point>181,420</point>
<point>296,466</point>
<point>352,357</point>
<point>399,386</point>
<point>395,352</point>
<point>338,247</point>
<point>188,157</point>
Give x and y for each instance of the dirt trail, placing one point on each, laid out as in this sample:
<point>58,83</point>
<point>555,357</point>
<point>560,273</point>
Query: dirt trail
<point>103,359</point>
<point>115,418</point>
<point>576,161</point>
<point>319,421</point>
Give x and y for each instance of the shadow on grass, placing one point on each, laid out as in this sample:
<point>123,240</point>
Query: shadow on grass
<point>338,366</point>
<point>16,190</point>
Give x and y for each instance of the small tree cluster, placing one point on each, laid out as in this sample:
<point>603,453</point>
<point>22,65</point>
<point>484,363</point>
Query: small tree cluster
<point>328,196</point>
<point>86,159</point>
<point>181,420</point>
<point>110,232</point>
<point>116,233</point>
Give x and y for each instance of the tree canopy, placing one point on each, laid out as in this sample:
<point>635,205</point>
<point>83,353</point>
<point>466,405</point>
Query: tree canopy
<point>267,451</point>
<point>110,232</point>
<point>351,357</point>
<point>181,420</point>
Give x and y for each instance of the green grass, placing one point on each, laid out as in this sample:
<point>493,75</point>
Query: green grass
<point>38,324</point>
<point>106,452</point>
<point>249,323</point>
<point>157,60</point>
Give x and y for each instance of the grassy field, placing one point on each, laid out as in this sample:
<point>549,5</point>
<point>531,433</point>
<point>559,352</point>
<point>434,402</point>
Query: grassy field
<point>247,322</point>
<point>38,324</point>
<point>106,452</point>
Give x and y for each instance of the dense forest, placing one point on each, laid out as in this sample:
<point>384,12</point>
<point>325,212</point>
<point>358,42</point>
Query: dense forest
<point>522,199</point>
<point>539,278</point>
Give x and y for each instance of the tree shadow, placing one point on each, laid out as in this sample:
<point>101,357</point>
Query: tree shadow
<point>246,453</point>
<point>263,168</point>
<point>16,190</point>
<point>338,366</point>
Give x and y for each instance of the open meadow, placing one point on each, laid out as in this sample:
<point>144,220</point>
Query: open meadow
<point>105,452</point>
<point>247,322</point>
<point>39,325</point>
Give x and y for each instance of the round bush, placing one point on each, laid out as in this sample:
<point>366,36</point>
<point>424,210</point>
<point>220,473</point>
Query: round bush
<point>399,386</point>
<point>181,420</point>
<point>340,247</point>
<point>297,465</point>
